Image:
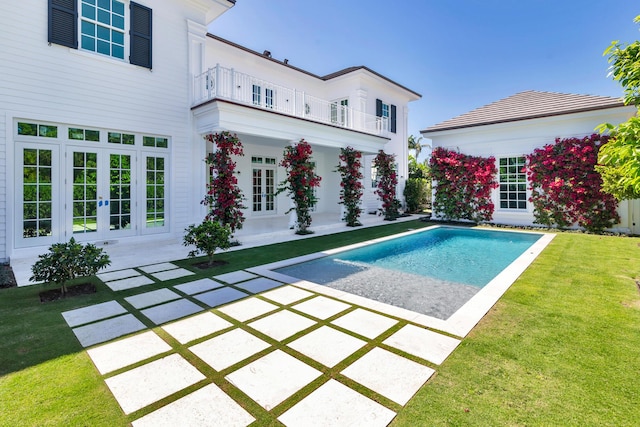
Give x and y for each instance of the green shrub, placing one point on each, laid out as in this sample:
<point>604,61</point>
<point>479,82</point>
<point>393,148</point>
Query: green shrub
<point>207,237</point>
<point>416,193</point>
<point>66,261</point>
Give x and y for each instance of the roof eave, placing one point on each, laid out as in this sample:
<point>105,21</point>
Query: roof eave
<point>519,119</point>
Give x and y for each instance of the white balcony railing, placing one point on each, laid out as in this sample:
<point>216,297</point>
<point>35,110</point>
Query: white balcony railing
<point>228,84</point>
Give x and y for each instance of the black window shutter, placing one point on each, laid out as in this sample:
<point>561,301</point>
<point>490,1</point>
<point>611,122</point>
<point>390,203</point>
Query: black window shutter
<point>393,119</point>
<point>378,108</point>
<point>63,23</point>
<point>140,35</point>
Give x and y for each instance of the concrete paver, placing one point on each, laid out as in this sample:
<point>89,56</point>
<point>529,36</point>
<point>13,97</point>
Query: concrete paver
<point>273,378</point>
<point>171,311</point>
<point>393,376</point>
<point>118,354</point>
<point>206,407</point>
<point>423,343</point>
<point>195,327</point>
<point>149,383</point>
<point>89,314</point>
<point>327,345</point>
<point>365,323</point>
<point>229,348</point>
<point>334,404</point>
<point>106,330</point>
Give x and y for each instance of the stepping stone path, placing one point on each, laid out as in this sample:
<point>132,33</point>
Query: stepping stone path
<point>267,340</point>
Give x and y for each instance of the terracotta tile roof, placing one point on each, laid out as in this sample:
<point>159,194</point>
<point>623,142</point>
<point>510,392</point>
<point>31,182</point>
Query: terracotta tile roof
<point>527,105</point>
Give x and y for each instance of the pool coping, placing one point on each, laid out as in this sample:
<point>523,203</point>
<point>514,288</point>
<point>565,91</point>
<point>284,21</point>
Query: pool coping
<point>459,323</point>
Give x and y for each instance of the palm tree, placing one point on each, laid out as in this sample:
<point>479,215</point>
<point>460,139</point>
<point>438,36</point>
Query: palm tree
<point>414,144</point>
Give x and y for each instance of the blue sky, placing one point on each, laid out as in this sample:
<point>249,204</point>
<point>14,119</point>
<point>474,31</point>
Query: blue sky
<point>458,54</point>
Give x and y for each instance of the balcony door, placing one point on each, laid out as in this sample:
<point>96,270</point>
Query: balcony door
<point>263,175</point>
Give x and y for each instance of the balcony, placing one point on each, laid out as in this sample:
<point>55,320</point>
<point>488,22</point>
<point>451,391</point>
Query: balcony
<point>230,85</point>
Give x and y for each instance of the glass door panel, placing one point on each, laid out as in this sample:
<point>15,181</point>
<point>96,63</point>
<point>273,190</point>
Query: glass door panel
<point>119,191</point>
<point>85,192</point>
<point>155,216</point>
<point>37,194</point>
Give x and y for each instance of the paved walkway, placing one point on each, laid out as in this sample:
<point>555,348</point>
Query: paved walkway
<point>239,347</point>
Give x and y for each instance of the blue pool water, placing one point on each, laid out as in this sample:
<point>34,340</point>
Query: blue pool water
<point>467,256</point>
<point>433,272</point>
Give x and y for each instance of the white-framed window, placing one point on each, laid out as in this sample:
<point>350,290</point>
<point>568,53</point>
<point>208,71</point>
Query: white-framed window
<point>256,94</point>
<point>339,112</point>
<point>513,183</point>
<point>268,98</point>
<point>119,29</point>
<point>102,27</point>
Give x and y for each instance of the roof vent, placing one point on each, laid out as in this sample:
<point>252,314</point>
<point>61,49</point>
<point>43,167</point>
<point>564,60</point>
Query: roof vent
<point>267,53</point>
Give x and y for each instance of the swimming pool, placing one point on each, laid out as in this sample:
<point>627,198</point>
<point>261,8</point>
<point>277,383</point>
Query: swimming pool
<point>433,272</point>
<point>443,277</point>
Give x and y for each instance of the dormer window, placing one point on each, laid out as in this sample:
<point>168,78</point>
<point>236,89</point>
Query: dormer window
<point>114,28</point>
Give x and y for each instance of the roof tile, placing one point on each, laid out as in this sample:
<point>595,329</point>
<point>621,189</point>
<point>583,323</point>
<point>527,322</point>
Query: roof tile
<point>527,105</point>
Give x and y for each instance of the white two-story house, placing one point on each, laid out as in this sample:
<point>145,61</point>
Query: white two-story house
<point>104,105</point>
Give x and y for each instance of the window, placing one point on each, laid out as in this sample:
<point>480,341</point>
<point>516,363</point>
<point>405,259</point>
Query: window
<point>268,98</point>
<point>37,129</point>
<point>513,183</point>
<point>37,199</point>
<point>152,141</point>
<point>374,177</point>
<point>155,192</point>
<point>121,138</point>
<point>339,110</point>
<point>103,28</point>
<point>84,134</point>
<point>388,112</point>
<point>256,92</point>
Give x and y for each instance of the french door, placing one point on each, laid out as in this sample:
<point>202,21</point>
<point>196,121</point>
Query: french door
<point>263,186</point>
<point>100,193</point>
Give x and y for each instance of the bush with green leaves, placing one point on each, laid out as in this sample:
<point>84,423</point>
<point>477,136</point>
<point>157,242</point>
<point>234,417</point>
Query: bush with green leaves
<point>67,261</point>
<point>207,237</point>
<point>416,193</point>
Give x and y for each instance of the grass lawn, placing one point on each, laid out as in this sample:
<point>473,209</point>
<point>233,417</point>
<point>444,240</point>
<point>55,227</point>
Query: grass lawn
<point>560,348</point>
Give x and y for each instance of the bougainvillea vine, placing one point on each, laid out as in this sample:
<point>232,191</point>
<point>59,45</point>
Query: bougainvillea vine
<point>387,183</point>
<point>463,185</point>
<point>224,197</point>
<point>351,188</point>
<point>300,181</point>
<point>566,189</point>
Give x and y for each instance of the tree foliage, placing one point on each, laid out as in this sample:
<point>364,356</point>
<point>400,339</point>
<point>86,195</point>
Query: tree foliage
<point>620,159</point>
<point>67,261</point>
<point>207,237</point>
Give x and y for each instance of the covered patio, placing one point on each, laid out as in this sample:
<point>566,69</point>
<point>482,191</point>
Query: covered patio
<point>128,253</point>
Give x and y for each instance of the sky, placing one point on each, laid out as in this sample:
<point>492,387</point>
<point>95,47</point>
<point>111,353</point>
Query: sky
<point>458,54</point>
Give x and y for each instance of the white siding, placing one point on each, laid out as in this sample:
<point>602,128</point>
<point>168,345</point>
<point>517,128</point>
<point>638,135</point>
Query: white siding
<point>42,82</point>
